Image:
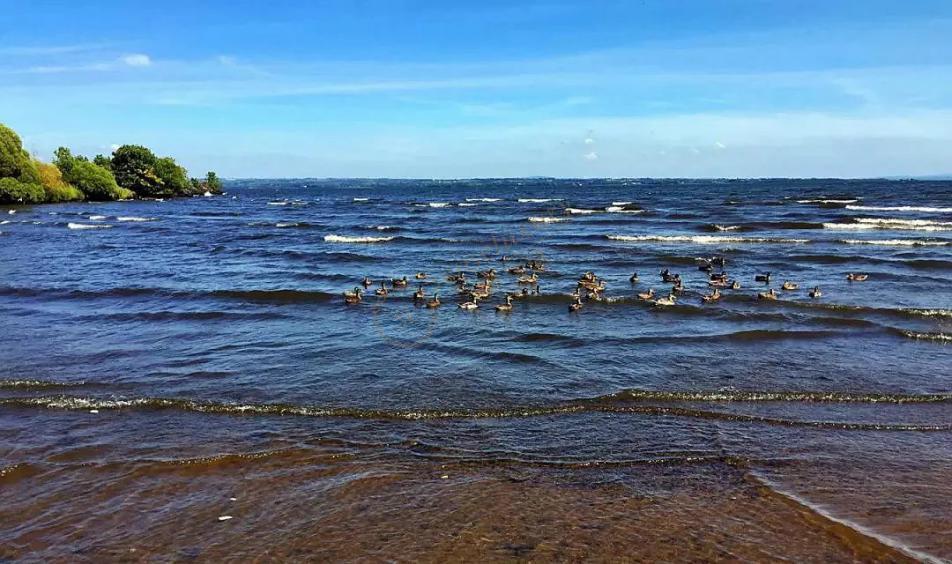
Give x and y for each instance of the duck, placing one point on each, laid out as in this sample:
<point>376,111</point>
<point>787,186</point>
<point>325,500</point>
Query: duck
<point>633,278</point>
<point>815,292</point>
<point>531,279</point>
<point>367,282</point>
<point>419,294</point>
<point>718,261</point>
<point>677,288</point>
<point>435,302</point>
<point>488,274</point>
<point>712,297</point>
<point>456,277</point>
<point>399,282</point>
<point>669,301</point>
<point>587,277</point>
<point>718,277</point>
<point>420,276</point>
<point>765,278</point>
<point>671,278</point>
<point>857,276</point>
<point>506,307</point>
<point>470,305</point>
<point>576,305</point>
<point>646,296</point>
<point>352,298</point>
<point>517,270</point>
<point>790,286</point>
<point>382,290</point>
<point>768,295</point>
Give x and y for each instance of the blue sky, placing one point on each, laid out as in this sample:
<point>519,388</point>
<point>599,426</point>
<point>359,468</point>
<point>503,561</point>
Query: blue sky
<point>429,89</point>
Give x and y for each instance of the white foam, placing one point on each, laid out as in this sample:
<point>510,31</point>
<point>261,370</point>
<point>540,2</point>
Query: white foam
<point>135,219</point>
<point>465,205</point>
<point>621,209</point>
<point>726,227</point>
<point>438,204</point>
<point>86,226</point>
<point>580,211</point>
<point>538,200</point>
<point>940,337</point>
<point>4,222</point>
<point>11,212</point>
<point>483,199</point>
<point>702,239</point>
<point>380,227</point>
<point>925,209</point>
<point>546,219</point>
<point>284,203</point>
<point>97,217</point>
<point>347,239</point>
<point>361,199</point>
<point>621,203</point>
<point>292,224</point>
<point>932,312</point>
<point>896,242</point>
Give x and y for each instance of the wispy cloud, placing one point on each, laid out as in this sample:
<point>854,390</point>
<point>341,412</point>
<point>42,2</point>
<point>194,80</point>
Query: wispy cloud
<point>46,50</point>
<point>136,60</point>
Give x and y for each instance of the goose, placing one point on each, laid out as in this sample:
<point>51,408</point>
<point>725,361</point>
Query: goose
<point>488,274</point>
<point>367,282</point>
<point>765,277</point>
<point>382,290</point>
<point>815,292</point>
<point>587,277</point>
<point>720,277</point>
<point>671,278</point>
<point>633,278</point>
<point>399,282</point>
<point>790,286</point>
<point>456,277</point>
<point>735,285</point>
<point>352,298</point>
<point>470,305</point>
<point>712,297</point>
<point>420,276</point>
<point>531,279</point>
<point>768,295</point>
<point>678,288</point>
<point>517,270</point>
<point>857,276</point>
<point>576,305</point>
<point>669,301</point>
<point>646,296</point>
<point>718,261</point>
<point>717,283</point>
<point>506,307</point>
<point>419,294</point>
<point>706,267</point>
<point>435,302</point>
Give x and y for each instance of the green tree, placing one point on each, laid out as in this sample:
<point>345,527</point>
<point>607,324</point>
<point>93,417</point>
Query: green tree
<point>13,191</point>
<point>103,161</point>
<point>96,182</point>
<point>174,178</point>
<point>134,168</point>
<point>212,183</point>
<point>14,161</point>
<point>56,188</point>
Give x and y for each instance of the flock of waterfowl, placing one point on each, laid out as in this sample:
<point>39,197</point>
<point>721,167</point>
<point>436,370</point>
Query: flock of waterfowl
<point>589,286</point>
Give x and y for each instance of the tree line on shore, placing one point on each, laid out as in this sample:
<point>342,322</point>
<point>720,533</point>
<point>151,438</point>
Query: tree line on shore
<point>131,171</point>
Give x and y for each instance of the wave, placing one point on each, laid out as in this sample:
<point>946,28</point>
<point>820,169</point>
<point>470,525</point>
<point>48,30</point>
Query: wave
<point>75,403</point>
<point>280,203</point>
<point>134,219</point>
<point>547,219</point>
<point>383,227</point>
<point>923,209</point>
<point>896,242</point>
<point>31,384</point>
<point>717,227</point>
<point>538,200</point>
<point>580,211</point>
<point>350,239</point>
<point>938,337</point>
<point>830,201</point>
<point>703,239</point>
<point>439,204</point>
<point>86,226</point>
<point>483,199</point>
<point>621,203</point>
<point>775,396</point>
<point>297,224</point>
<point>892,224</point>
<point>276,296</point>
<point>97,217</point>
<point>622,209</point>
<point>361,199</point>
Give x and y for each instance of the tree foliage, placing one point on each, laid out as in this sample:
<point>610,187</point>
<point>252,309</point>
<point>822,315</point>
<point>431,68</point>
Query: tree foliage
<point>134,168</point>
<point>94,181</point>
<point>13,191</point>
<point>55,187</point>
<point>14,161</point>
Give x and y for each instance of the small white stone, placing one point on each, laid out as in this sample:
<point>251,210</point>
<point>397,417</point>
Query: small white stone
<point>94,411</point>
<point>224,517</point>
<point>444,476</point>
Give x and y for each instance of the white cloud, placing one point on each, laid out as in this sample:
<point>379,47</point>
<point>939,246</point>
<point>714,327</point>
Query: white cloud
<point>589,141</point>
<point>592,156</point>
<point>720,145</point>
<point>136,60</point>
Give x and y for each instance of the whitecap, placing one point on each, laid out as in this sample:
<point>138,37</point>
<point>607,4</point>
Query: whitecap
<point>719,227</point>
<point>702,239</point>
<point>932,312</point>
<point>135,219</point>
<point>465,205</point>
<point>940,337</point>
<point>282,203</point>
<point>361,199</point>
<point>850,201</point>
<point>483,199</point>
<point>86,226</point>
<point>546,219</point>
<point>621,209</point>
<point>538,200</point>
<point>621,203</point>
<point>292,224</point>
<point>580,211</point>
<point>97,217</point>
<point>924,209</point>
<point>347,239</point>
<point>896,242</point>
<point>439,204</point>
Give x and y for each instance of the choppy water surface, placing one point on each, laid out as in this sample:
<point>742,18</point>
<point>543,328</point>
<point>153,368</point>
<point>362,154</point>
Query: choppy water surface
<point>165,364</point>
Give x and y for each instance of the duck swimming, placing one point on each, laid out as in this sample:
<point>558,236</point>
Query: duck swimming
<point>815,292</point>
<point>435,302</point>
<point>470,305</point>
<point>352,298</point>
<point>531,279</point>
<point>790,286</point>
<point>765,278</point>
<point>735,285</point>
<point>399,282</point>
<point>367,282</point>
<point>633,278</point>
<point>488,274</point>
<point>506,307</point>
<point>382,290</point>
<point>419,294</point>
<point>517,270</point>
<point>857,276</point>
<point>576,305</point>
<point>768,295</point>
<point>712,297</point>
<point>420,276</point>
<point>646,296</point>
<point>669,301</point>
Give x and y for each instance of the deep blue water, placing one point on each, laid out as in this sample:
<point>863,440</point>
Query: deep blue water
<point>233,305</point>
